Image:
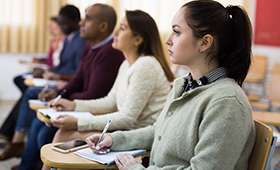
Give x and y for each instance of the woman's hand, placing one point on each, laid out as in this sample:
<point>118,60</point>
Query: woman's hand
<point>65,122</point>
<point>125,161</point>
<point>63,105</point>
<point>103,146</point>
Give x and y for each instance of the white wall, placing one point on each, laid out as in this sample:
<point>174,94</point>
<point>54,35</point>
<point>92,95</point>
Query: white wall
<point>273,54</point>
<point>9,68</point>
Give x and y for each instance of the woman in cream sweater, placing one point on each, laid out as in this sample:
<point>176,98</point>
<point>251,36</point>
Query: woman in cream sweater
<point>207,121</point>
<point>139,92</point>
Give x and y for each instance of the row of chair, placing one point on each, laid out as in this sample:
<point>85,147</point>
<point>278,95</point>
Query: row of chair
<point>269,99</point>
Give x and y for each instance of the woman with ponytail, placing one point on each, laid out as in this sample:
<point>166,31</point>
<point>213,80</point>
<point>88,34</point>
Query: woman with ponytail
<point>207,121</point>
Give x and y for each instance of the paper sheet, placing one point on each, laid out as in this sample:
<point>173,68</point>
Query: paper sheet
<point>54,114</point>
<point>107,159</point>
<point>38,102</point>
<point>42,82</point>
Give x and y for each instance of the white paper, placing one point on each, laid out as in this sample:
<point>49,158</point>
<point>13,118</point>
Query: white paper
<point>27,76</point>
<point>54,114</point>
<point>107,159</point>
<point>42,82</point>
<point>38,102</point>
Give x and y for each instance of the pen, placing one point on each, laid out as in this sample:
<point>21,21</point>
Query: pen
<point>45,92</point>
<point>103,133</point>
<point>58,97</point>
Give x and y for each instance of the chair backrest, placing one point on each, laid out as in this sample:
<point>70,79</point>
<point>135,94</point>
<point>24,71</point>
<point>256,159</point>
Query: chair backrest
<point>262,146</point>
<point>258,67</point>
<point>273,90</point>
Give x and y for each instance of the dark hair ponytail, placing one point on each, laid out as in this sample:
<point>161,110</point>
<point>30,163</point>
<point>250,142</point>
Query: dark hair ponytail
<point>239,60</point>
<point>231,29</point>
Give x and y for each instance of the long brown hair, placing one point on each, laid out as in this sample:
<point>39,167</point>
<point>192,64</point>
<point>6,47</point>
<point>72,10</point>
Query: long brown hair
<point>231,30</point>
<point>144,25</point>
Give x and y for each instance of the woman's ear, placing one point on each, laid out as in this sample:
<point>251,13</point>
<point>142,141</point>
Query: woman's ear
<point>103,26</point>
<point>138,40</point>
<point>206,43</point>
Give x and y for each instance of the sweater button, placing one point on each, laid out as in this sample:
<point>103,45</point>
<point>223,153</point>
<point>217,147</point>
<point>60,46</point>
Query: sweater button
<point>169,114</point>
<point>159,137</point>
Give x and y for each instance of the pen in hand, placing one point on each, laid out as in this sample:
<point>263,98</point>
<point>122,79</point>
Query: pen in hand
<point>58,97</point>
<point>103,133</point>
<point>45,92</point>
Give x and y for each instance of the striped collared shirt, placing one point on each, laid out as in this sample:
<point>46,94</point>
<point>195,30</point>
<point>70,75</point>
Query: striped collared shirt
<point>215,75</point>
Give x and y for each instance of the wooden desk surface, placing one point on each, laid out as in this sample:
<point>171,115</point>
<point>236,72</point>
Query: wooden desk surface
<point>269,118</point>
<point>43,118</point>
<point>68,160</point>
<point>71,160</point>
<point>28,82</point>
<point>36,107</point>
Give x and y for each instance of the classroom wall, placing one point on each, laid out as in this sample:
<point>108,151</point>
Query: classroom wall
<point>273,54</point>
<point>9,68</point>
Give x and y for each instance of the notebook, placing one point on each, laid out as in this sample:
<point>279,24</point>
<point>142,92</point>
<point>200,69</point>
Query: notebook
<point>54,114</point>
<point>106,159</point>
<point>38,102</point>
<point>38,82</point>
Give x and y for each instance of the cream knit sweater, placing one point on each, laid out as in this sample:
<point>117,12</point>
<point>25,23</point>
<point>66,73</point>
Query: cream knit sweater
<point>135,100</point>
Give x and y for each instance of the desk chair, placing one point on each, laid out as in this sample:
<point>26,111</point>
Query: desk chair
<point>257,70</point>
<point>268,118</point>
<point>70,160</point>
<point>263,149</point>
<point>256,76</point>
<point>28,82</point>
<point>36,107</point>
<point>273,98</point>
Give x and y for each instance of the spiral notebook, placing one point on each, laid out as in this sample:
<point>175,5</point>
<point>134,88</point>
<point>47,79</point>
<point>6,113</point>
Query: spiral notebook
<point>106,159</point>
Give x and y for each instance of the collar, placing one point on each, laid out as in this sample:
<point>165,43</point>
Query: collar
<point>103,42</point>
<point>70,36</point>
<point>215,75</point>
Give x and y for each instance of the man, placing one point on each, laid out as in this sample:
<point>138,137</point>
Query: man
<point>94,78</point>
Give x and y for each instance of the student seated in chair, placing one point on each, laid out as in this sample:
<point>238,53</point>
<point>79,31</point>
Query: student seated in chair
<point>52,60</point>
<point>139,92</point>
<point>82,87</point>
<point>206,122</point>
<point>95,77</point>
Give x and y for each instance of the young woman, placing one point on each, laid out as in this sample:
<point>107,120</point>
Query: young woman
<point>139,92</point>
<point>207,121</point>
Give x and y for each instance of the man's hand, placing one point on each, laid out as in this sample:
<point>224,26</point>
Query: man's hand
<point>51,76</point>
<point>37,73</point>
<point>47,95</point>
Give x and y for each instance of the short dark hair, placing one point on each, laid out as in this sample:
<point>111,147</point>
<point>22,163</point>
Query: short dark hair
<point>108,14</point>
<point>231,30</point>
<point>71,12</point>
